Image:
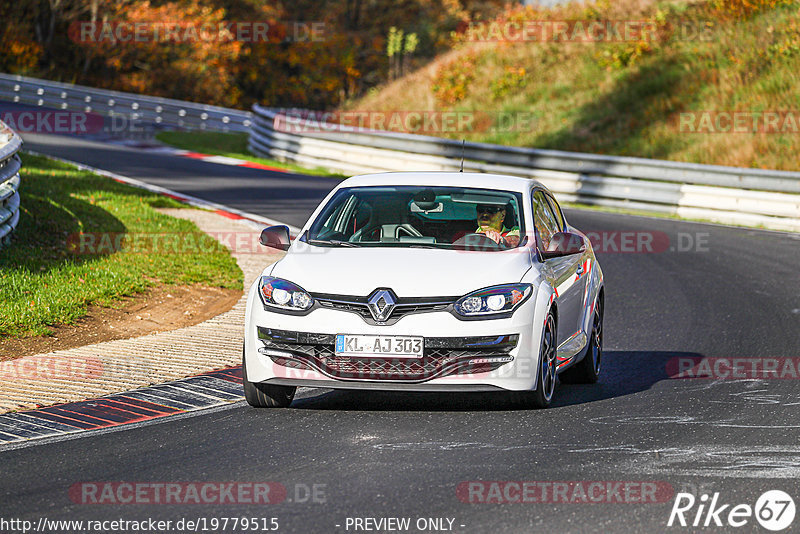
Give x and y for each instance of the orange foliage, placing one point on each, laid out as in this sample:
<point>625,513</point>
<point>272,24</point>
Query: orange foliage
<point>453,80</point>
<point>279,71</point>
<point>741,9</point>
<point>199,69</point>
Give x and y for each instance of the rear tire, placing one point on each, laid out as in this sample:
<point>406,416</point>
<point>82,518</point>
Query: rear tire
<point>587,371</point>
<point>546,369</point>
<point>265,395</point>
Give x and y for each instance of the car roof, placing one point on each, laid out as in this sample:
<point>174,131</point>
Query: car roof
<point>478,180</point>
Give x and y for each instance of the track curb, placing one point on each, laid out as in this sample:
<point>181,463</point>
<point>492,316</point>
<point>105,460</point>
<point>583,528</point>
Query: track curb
<point>209,389</point>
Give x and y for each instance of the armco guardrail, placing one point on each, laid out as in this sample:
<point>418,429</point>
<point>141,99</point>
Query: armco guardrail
<point>10,164</point>
<point>133,108</point>
<point>732,195</point>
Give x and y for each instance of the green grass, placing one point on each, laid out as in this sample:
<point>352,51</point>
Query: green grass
<point>232,145</point>
<point>44,281</point>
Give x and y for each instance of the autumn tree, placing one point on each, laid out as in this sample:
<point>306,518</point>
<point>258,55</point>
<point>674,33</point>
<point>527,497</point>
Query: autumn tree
<point>286,69</point>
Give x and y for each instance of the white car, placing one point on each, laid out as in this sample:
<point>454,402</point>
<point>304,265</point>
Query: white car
<point>427,281</point>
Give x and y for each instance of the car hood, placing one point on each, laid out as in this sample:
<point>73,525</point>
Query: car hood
<point>409,272</point>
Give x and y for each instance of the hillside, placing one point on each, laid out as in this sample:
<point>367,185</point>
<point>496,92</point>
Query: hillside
<point>716,83</point>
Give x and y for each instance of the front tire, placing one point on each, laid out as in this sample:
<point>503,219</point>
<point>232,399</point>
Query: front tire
<point>587,371</point>
<point>265,395</point>
<point>546,369</point>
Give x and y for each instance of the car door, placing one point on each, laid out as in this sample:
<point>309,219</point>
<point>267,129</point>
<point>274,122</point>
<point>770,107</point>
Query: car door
<point>561,272</point>
<point>583,274</point>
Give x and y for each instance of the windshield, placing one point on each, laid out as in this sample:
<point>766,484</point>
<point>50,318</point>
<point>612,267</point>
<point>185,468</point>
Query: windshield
<point>420,216</point>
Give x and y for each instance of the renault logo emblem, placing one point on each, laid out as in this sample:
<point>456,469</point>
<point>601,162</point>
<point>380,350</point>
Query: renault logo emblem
<point>381,304</point>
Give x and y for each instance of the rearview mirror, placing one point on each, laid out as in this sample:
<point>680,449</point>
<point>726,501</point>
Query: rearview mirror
<point>427,207</point>
<point>425,202</point>
<point>564,244</point>
<point>275,237</point>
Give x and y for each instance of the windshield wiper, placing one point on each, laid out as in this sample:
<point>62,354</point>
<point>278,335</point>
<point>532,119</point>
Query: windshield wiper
<point>331,242</point>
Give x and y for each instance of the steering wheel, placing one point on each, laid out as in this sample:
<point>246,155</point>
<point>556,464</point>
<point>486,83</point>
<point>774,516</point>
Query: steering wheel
<point>476,242</point>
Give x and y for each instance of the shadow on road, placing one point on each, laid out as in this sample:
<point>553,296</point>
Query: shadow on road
<point>624,373</point>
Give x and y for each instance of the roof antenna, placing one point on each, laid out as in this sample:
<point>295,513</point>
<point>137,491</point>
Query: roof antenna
<point>462,155</point>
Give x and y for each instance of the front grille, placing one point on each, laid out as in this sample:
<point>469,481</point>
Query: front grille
<point>403,307</point>
<point>441,357</point>
<point>360,309</point>
<point>397,369</point>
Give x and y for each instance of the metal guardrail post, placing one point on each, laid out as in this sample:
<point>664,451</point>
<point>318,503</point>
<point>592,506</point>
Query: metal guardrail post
<point>128,107</point>
<point>10,164</point>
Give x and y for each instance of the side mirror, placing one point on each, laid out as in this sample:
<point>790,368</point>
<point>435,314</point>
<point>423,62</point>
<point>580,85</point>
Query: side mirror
<point>564,244</point>
<point>275,237</point>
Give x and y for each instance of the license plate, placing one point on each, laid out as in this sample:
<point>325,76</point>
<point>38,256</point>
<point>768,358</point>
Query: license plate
<point>380,346</point>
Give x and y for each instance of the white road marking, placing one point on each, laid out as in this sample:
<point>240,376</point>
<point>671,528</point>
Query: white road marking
<point>224,160</point>
<point>680,420</point>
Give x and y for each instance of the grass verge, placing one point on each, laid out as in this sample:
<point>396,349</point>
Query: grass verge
<point>46,280</point>
<point>232,145</point>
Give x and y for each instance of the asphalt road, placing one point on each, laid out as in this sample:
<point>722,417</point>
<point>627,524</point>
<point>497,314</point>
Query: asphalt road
<point>289,197</point>
<point>736,295</point>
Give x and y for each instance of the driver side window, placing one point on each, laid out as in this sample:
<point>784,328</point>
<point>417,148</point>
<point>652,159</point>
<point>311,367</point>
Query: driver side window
<point>555,209</point>
<point>358,217</point>
<point>337,223</point>
<point>543,220</point>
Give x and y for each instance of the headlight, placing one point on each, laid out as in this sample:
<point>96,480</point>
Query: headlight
<point>279,293</point>
<point>497,300</point>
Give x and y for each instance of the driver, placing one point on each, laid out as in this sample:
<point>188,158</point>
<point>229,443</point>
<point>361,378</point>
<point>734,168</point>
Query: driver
<point>490,223</point>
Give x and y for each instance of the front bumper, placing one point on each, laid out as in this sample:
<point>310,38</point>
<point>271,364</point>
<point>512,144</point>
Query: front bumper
<point>441,357</point>
<point>458,356</point>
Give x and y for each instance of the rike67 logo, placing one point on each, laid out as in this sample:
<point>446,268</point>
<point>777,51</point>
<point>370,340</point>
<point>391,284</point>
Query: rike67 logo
<point>774,510</point>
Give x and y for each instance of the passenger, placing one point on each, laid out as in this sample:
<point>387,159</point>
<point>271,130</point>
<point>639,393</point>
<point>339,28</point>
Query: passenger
<point>491,223</point>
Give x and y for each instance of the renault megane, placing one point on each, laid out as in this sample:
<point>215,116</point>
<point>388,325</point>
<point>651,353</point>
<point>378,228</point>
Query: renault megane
<point>427,281</point>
